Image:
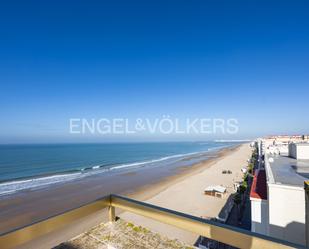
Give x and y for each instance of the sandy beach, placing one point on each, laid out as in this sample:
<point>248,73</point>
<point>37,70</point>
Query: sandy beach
<point>187,196</point>
<point>181,190</point>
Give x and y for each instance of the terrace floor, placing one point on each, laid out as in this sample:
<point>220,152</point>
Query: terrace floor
<point>121,235</point>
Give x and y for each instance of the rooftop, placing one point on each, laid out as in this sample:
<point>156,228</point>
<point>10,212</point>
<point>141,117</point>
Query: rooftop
<point>259,188</point>
<point>216,188</point>
<point>287,171</point>
<point>301,144</point>
<point>121,234</point>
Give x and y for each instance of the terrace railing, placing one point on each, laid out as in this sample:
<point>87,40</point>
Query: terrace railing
<point>220,232</point>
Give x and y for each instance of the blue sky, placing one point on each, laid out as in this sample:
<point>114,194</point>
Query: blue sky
<point>91,59</point>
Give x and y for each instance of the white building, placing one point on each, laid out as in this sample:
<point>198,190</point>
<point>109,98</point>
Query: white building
<point>259,204</point>
<point>278,208</point>
<point>299,151</point>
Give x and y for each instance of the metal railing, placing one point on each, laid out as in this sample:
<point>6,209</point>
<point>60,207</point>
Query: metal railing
<point>223,233</point>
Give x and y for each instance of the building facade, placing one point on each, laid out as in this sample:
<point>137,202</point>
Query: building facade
<point>277,192</point>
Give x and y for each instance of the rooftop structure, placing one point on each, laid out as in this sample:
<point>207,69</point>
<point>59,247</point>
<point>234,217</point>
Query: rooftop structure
<point>217,191</point>
<point>299,150</point>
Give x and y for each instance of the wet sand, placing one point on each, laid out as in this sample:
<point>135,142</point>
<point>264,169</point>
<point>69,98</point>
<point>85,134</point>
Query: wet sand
<point>142,184</point>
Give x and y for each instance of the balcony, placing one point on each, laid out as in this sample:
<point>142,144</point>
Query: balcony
<point>216,231</point>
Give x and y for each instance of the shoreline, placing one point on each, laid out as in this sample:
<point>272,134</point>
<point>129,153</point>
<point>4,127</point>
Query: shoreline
<point>19,210</point>
<point>32,183</point>
<point>150,190</point>
<point>143,183</point>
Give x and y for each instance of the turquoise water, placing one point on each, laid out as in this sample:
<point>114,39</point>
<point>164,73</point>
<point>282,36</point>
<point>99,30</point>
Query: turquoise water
<point>23,166</point>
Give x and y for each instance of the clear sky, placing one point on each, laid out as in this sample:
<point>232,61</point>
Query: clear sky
<point>91,59</point>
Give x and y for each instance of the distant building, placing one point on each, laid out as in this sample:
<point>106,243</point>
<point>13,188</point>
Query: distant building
<point>284,140</point>
<point>277,195</point>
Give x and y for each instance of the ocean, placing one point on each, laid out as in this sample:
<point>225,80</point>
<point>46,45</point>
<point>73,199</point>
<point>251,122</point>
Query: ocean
<point>24,167</point>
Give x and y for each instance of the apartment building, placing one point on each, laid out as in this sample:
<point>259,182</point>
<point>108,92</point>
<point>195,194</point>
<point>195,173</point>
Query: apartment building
<point>277,193</point>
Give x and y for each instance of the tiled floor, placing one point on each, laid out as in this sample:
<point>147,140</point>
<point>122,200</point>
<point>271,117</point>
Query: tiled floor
<point>121,235</point>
